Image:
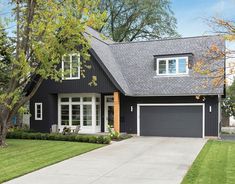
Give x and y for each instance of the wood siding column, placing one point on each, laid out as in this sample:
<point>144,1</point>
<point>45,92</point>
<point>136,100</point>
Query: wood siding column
<point>116,104</point>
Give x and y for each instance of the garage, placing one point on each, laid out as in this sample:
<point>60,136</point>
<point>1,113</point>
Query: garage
<point>170,120</point>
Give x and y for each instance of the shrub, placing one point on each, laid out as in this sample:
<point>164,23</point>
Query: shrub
<point>106,139</point>
<point>114,135</point>
<point>84,138</point>
<point>25,135</point>
<point>44,136</point>
<point>51,137</point>
<point>92,139</point>
<point>101,139</point>
<point>24,128</point>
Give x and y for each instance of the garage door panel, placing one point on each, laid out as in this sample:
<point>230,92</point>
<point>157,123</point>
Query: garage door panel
<point>177,121</point>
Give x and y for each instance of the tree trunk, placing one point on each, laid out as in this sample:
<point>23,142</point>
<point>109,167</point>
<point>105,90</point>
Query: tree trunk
<point>3,125</point>
<point>3,133</point>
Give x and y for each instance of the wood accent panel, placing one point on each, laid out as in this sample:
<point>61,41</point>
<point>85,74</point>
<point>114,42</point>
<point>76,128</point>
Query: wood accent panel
<point>116,105</point>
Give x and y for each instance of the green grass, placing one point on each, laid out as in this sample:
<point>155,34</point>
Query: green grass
<point>24,156</point>
<point>214,165</point>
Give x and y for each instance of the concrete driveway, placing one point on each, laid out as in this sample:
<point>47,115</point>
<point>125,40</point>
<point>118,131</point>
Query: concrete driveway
<point>140,160</point>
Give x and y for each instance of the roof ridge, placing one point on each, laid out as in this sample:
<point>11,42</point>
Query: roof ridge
<point>100,35</point>
<point>164,39</point>
<point>96,38</point>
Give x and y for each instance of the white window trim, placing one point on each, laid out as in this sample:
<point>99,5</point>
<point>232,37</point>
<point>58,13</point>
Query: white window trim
<point>167,66</point>
<point>106,104</point>
<point>169,104</point>
<point>83,129</point>
<point>35,108</point>
<point>79,68</point>
<point>99,115</point>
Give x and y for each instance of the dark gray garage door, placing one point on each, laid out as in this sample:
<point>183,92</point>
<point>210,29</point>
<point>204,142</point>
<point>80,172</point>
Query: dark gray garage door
<point>171,121</point>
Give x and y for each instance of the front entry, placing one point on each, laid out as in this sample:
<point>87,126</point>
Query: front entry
<point>108,113</point>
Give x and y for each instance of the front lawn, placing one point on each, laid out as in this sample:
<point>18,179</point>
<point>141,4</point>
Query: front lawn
<point>23,156</point>
<point>214,165</point>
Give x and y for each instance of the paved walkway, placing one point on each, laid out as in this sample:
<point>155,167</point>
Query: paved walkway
<point>140,160</point>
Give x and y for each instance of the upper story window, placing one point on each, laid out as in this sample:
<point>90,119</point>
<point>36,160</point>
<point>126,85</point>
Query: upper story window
<point>71,66</point>
<point>172,66</point>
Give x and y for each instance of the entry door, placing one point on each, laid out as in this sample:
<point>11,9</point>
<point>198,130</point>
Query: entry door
<point>109,113</point>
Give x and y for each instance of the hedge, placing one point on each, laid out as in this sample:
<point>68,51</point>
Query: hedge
<point>99,139</point>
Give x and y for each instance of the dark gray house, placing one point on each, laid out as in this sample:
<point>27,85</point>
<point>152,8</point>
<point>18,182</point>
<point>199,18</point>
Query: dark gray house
<point>146,88</point>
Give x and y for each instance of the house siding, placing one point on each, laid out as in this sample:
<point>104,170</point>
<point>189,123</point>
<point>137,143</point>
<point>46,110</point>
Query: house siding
<point>47,94</point>
<point>129,119</point>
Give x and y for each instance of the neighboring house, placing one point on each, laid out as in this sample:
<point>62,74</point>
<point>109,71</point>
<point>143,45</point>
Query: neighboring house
<point>231,121</point>
<point>146,88</point>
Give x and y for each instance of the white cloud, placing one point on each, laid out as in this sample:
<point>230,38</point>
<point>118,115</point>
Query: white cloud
<point>218,7</point>
<point>223,8</point>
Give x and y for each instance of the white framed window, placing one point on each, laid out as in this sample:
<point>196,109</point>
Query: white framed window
<point>71,66</point>
<point>38,111</point>
<point>172,66</point>
<point>77,110</point>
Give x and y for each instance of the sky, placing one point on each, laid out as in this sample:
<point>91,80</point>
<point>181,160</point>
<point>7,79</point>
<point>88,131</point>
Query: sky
<point>192,15</point>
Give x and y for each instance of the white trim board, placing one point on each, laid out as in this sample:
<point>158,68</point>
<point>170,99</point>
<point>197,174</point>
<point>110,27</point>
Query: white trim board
<point>167,66</point>
<point>35,111</point>
<point>106,104</point>
<point>93,128</point>
<point>175,104</point>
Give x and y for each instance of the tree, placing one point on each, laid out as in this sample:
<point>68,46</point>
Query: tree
<point>129,20</point>
<point>45,31</point>
<point>231,91</point>
<point>228,105</point>
<point>211,67</point>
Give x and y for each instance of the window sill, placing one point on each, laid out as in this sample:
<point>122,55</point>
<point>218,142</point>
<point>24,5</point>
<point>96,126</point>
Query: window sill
<point>178,75</point>
<point>71,78</point>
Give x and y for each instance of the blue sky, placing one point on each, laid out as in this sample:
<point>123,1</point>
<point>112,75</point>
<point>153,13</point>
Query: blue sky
<point>192,14</point>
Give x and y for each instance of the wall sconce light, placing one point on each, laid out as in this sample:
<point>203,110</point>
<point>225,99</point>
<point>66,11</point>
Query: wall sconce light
<point>131,108</point>
<point>210,108</point>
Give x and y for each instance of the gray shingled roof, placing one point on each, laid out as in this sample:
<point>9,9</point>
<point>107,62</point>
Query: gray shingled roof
<point>132,65</point>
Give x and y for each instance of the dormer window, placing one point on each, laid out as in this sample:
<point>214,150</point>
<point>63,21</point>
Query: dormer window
<point>172,66</point>
<point>71,66</point>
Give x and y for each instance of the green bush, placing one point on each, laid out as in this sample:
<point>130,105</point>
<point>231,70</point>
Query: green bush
<point>84,138</point>
<point>101,139</point>
<point>44,136</point>
<point>72,138</point>
<point>106,139</point>
<point>114,135</point>
<point>92,139</point>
